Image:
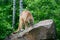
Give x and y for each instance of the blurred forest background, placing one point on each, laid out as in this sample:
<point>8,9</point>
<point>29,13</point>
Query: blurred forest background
<point>40,9</point>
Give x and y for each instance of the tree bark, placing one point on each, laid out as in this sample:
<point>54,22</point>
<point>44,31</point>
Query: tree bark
<point>13,19</point>
<point>44,30</point>
<point>21,6</point>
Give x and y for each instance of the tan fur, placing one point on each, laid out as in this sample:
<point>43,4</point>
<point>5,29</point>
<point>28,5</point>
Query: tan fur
<point>25,18</point>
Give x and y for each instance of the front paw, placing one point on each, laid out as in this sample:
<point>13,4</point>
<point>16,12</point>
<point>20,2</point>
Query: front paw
<point>21,30</point>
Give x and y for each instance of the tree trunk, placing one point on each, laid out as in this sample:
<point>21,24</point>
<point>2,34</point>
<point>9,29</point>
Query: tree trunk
<point>44,30</point>
<point>13,20</point>
<point>21,6</point>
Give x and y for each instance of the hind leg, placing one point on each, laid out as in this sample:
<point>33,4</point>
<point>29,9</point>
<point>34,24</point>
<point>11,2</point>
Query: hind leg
<point>26,25</point>
<point>31,23</point>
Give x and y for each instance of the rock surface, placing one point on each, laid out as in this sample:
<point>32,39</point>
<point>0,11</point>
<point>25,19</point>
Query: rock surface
<point>44,30</point>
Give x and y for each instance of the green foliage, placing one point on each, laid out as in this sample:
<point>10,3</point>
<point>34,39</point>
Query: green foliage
<point>5,19</point>
<point>40,9</point>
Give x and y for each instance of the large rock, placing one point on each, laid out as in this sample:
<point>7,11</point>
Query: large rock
<point>44,30</point>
